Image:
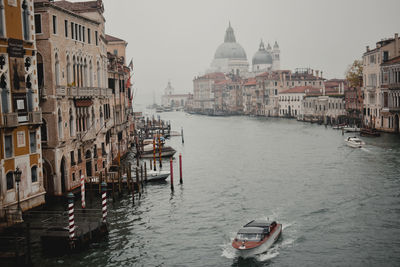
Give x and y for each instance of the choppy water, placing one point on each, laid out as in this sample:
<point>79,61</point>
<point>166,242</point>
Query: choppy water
<point>339,206</point>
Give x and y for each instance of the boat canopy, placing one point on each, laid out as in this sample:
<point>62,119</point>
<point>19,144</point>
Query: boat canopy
<point>253,230</point>
<point>258,223</point>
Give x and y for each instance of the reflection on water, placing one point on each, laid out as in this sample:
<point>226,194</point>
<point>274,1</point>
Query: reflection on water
<point>338,205</point>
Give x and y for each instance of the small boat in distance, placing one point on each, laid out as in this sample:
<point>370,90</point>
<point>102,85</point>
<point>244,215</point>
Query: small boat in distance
<point>354,142</point>
<point>256,237</point>
<point>369,132</point>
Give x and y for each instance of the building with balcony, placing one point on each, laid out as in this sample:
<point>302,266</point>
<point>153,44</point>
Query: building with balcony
<point>390,101</point>
<point>75,99</point>
<point>385,50</point>
<point>20,115</point>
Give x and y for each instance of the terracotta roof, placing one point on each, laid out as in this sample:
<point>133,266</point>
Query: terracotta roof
<point>110,38</point>
<point>214,75</point>
<point>392,61</point>
<point>80,7</point>
<point>250,81</point>
<point>298,90</point>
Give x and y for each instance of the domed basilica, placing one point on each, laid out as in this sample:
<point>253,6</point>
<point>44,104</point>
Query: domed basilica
<point>230,57</point>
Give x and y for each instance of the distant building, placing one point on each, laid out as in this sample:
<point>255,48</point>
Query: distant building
<point>170,99</point>
<point>203,92</point>
<point>291,101</point>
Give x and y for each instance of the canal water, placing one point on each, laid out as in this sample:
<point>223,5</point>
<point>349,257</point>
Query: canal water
<point>339,206</point>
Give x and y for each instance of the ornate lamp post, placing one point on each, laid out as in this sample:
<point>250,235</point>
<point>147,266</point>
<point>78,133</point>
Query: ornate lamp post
<point>17,175</point>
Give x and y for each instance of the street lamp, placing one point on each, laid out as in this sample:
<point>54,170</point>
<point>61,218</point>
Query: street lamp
<point>17,174</point>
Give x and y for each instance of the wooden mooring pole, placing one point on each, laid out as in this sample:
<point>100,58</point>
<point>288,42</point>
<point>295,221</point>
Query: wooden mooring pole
<point>180,169</point>
<point>104,201</point>
<point>172,174</point>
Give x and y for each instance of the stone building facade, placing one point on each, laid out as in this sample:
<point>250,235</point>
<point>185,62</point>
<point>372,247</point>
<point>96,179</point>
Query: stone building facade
<point>20,115</point>
<point>75,99</point>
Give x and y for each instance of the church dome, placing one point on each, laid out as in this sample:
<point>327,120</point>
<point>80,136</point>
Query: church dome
<point>262,56</point>
<point>230,49</point>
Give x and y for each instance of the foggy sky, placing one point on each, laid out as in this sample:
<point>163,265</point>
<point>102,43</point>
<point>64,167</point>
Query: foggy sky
<point>176,39</point>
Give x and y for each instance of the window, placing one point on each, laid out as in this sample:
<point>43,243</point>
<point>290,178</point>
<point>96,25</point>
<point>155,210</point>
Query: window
<point>79,156</point>
<point>95,36</point>
<point>116,52</point>
<point>60,132</point>
<point>32,141</point>
<point>34,174</point>
<point>76,32</point>
<point>83,33</point>
<point>25,20</point>
<point>2,20</point>
<point>57,70</point>
<point>38,23</point>
<point>66,28</point>
<point>72,153</point>
<point>385,56</point>
<point>8,146</point>
<point>88,36</point>
<point>72,30</point>
<point>54,24</point>
<point>80,33</point>
<point>10,180</point>
<point>73,176</point>
<point>71,123</point>
<point>95,151</point>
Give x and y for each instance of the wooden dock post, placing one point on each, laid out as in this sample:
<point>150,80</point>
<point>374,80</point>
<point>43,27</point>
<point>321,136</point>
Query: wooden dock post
<point>172,174</point>
<point>137,181</point>
<point>180,169</point>
<point>183,140</point>
<point>141,175</point>
<point>104,201</point>
<point>159,150</point>
<point>100,180</point>
<point>83,192</point>
<point>151,164</point>
<point>119,182</point>
<point>132,183</point>
<point>154,152</point>
<point>128,184</point>
<point>71,219</point>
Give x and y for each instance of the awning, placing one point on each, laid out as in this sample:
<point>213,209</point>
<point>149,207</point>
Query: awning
<point>83,103</point>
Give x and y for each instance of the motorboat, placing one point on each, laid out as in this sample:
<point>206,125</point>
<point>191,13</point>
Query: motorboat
<point>160,175</point>
<point>354,142</point>
<point>369,132</point>
<point>351,129</point>
<point>256,237</point>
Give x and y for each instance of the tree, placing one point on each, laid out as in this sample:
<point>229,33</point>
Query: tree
<point>354,74</point>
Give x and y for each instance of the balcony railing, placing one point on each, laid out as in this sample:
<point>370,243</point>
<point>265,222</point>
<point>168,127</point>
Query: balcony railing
<point>15,119</point>
<point>82,91</point>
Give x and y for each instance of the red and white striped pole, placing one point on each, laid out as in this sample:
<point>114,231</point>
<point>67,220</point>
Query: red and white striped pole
<point>71,218</point>
<point>104,201</point>
<point>83,191</point>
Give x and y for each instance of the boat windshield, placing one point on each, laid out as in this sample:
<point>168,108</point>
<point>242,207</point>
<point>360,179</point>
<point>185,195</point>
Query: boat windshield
<point>249,237</point>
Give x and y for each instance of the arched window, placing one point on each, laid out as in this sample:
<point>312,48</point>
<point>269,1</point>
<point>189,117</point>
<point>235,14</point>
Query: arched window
<point>74,70</point>
<point>101,118</point>
<point>93,119</point>
<point>34,174</point>
<point>30,92</point>
<point>71,123</point>
<point>85,74</point>
<point>4,92</point>
<point>25,20</point>
<point>10,180</point>
<point>57,69</point>
<point>68,71</point>
<point>98,75</point>
<point>60,132</point>
<point>90,74</point>
<point>81,73</point>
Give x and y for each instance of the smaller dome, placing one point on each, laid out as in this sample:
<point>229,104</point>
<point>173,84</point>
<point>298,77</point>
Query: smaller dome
<point>262,56</point>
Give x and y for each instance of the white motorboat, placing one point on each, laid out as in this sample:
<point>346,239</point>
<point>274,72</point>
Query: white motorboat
<point>354,142</point>
<point>256,237</point>
<point>160,175</point>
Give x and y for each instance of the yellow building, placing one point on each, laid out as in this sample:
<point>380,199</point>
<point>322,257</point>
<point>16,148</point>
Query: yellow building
<point>20,116</point>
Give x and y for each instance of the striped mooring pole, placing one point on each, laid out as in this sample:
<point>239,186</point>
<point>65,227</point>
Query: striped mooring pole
<point>83,192</point>
<point>104,201</point>
<point>71,217</point>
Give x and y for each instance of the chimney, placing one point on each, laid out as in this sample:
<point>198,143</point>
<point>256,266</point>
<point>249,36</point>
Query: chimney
<point>321,74</point>
<point>367,48</point>
<point>317,73</point>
